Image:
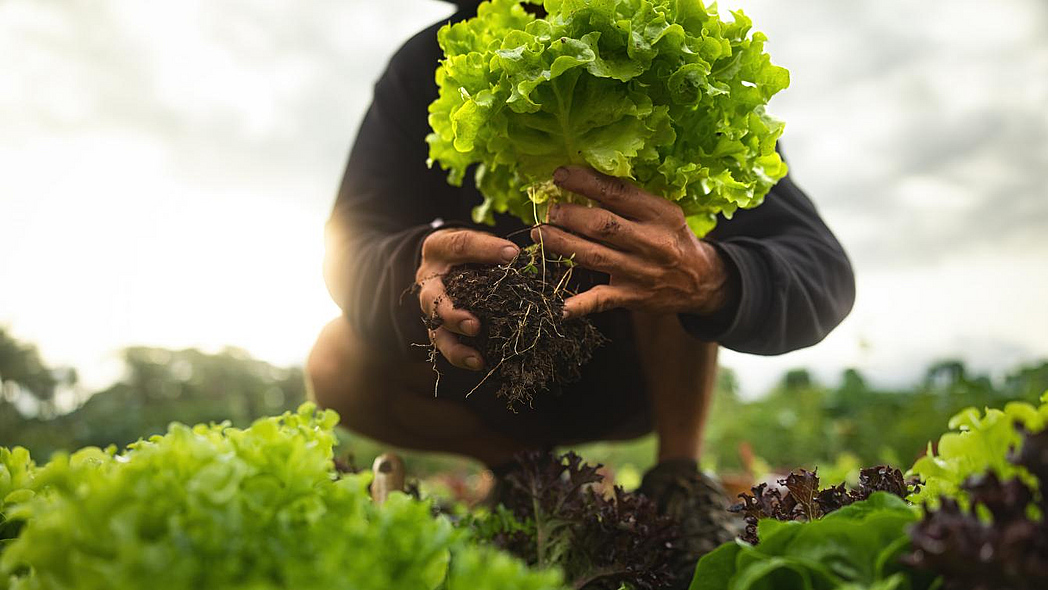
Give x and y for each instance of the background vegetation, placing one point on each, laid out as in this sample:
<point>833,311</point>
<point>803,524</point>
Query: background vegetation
<point>800,422</point>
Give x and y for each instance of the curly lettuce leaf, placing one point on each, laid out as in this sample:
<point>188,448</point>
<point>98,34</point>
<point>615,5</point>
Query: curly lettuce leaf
<point>211,506</point>
<point>662,92</point>
<point>17,474</point>
<point>1006,549</point>
<point>980,444</point>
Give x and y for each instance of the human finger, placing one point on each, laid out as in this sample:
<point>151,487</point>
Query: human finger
<point>457,353</point>
<point>595,300</point>
<point>456,320</point>
<point>461,246</point>
<point>438,307</point>
<point>431,289</point>
<point>615,194</point>
<point>598,224</point>
<point>584,252</point>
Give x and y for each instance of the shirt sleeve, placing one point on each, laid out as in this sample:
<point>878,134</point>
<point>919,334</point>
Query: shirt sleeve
<point>794,281</point>
<point>388,202</point>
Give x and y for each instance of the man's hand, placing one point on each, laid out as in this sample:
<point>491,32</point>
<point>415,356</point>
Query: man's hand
<point>442,250</point>
<point>655,262</point>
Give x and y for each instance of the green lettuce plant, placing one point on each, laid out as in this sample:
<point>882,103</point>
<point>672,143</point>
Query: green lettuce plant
<point>980,444</point>
<point>982,527</point>
<point>1001,541</point>
<point>856,547</point>
<point>16,485</point>
<point>212,506</point>
<point>662,92</point>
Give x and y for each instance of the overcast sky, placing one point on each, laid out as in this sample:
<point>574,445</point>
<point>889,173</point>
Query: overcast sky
<point>166,169</point>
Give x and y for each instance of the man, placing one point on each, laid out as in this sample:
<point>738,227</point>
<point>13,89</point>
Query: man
<point>770,280</point>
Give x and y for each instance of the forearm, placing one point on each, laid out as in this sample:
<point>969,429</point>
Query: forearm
<point>370,274</point>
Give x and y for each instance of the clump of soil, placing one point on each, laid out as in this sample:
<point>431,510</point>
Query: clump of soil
<point>527,345</point>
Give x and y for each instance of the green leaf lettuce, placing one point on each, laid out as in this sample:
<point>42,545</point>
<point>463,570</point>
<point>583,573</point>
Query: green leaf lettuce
<point>212,506</point>
<point>662,92</point>
<point>981,443</point>
<point>856,547</point>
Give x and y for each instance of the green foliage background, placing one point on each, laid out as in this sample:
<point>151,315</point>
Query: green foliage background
<point>800,422</point>
<point>803,423</point>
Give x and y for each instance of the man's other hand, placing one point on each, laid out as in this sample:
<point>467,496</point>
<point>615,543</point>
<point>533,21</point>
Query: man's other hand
<point>442,250</point>
<point>655,262</point>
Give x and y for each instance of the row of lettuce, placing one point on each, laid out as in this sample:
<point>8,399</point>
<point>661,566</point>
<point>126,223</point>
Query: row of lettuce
<point>220,507</point>
<point>263,508</point>
<point>971,516</point>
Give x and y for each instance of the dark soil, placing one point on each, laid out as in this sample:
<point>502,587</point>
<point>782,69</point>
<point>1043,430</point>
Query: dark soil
<point>527,345</point>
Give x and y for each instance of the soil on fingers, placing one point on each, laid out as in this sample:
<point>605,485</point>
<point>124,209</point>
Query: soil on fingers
<point>527,345</point>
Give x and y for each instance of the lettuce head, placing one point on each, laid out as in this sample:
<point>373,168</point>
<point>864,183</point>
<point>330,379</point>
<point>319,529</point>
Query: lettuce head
<point>662,92</point>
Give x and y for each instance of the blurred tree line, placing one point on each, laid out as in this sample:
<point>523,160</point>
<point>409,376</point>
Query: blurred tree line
<point>800,422</point>
<point>159,386</point>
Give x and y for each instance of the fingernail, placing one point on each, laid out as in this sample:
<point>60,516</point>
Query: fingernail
<point>564,314</point>
<point>560,174</point>
<point>509,253</point>
<point>468,327</point>
<point>553,210</point>
<point>473,363</point>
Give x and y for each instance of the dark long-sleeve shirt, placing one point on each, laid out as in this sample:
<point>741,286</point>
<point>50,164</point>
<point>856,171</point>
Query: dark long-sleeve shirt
<point>795,282</point>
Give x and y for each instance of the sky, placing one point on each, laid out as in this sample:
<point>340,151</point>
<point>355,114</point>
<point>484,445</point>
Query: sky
<point>166,169</point>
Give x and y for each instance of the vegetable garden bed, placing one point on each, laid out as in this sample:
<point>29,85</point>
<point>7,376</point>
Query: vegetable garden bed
<point>211,506</point>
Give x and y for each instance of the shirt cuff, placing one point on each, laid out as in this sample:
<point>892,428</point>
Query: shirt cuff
<point>744,316</point>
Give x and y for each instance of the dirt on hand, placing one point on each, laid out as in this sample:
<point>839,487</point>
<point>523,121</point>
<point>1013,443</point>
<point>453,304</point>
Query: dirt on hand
<point>526,343</point>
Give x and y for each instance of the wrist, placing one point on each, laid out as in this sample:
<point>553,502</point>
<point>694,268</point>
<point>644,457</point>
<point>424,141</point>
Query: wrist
<point>718,289</point>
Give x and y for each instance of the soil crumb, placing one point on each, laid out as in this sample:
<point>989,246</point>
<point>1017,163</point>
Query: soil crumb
<point>527,345</point>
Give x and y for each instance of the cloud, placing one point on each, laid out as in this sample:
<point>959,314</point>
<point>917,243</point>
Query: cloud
<point>920,128</point>
<point>233,90</point>
<point>167,168</point>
